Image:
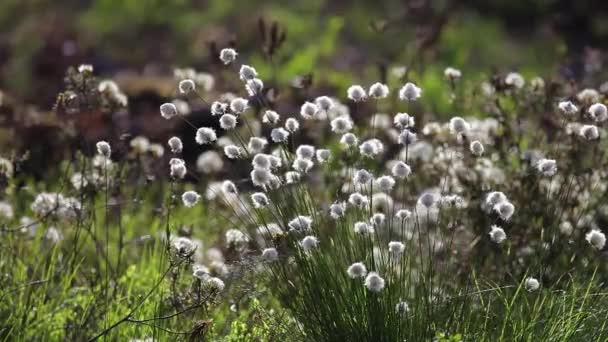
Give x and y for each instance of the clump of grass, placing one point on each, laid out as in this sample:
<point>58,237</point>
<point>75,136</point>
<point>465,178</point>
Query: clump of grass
<point>97,259</point>
<point>368,240</point>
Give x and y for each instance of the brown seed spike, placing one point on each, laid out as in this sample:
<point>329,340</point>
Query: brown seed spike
<point>274,33</point>
<point>382,69</point>
<point>214,51</point>
<point>262,29</point>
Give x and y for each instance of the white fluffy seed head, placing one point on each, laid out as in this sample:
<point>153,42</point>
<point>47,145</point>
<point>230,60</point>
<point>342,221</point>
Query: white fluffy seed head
<point>228,121</point>
<point>247,73</point>
<point>378,91</point>
<point>452,200</point>
<point>403,214</point>
<point>186,86</point>
<point>309,243</point>
<point>567,108</point>
<point>495,197</point>
<point>228,187</point>
<point>356,270</point>
<point>279,135</point>
<point>302,165</point>
<point>78,181</point>
<point>292,177</point>
<point>452,73</point>
<point>324,103</point>
<point>275,162</point>
<point>168,110</point>
<point>337,210</point>
<point>308,110</point>
<point>547,167</point>
<point>259,199</point>
<point>232,151</point>
<point>228,55</point>
<point>356,93</point>
<point>403,120</point>
<point>261,177</point>
<point>362,177</point>
<point>271,117</point>
<point>377,219</point>
<point>349,140</point>
<point>82,68</point>
<point>174,161</point>
<point>589,132</point>
<point>358,200</point>
<point>209,162</point>
<point>140,144</point>
<point>341,125</point>
<point>515,80</point>
<point>386,183</point>
<point>531,284</point>
<point>537,84</point>
<point>428,199</point>
<point>401,170</point>
<point>458,125</point>
<point>363,228</point>
<point>271,230</point>
<point>566,228</point>
<point>257,144</point>
<point>374,282</point>
<point>177,168</point>
<point>476,148</point>
<point>497,234</point>
<point>305,152</point>
<point>254,87</point>
<point>368,149</point>
<point>239,105</point>
<point>157,150</point>
<point>505,210</point>
<point>270,254</point>
<point>396,248</point>
<point>323,155</point>
<point>183,245</point>
<point>406,137</point>
<point>596,238</point>
<point>410,92</point>
<point>588,96</point>
<point>218,108</point>
<point>205,135</point>
<point>201,272</point>
<point>108,86</point>
<point>190,198</point>
<point>598,112</point>
<point>292,125</point>
<point>381,202</point>
<point>104,149</point>
<point>261,161</point>
<point>215,284</point>
<point>175,144</point>
<point>300,224</point>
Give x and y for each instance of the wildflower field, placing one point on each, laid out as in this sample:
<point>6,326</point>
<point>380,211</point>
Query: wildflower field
<point>311,171</point>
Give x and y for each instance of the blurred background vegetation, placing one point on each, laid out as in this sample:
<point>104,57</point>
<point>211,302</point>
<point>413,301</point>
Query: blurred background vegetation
<point>331,39</point>
<point>330,44</point>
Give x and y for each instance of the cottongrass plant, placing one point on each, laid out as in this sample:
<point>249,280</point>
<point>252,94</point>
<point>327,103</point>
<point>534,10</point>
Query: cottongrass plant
<point>401,233</point>
<point>98,251</point>
<point>93,260</point>
<point>366,227</point>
